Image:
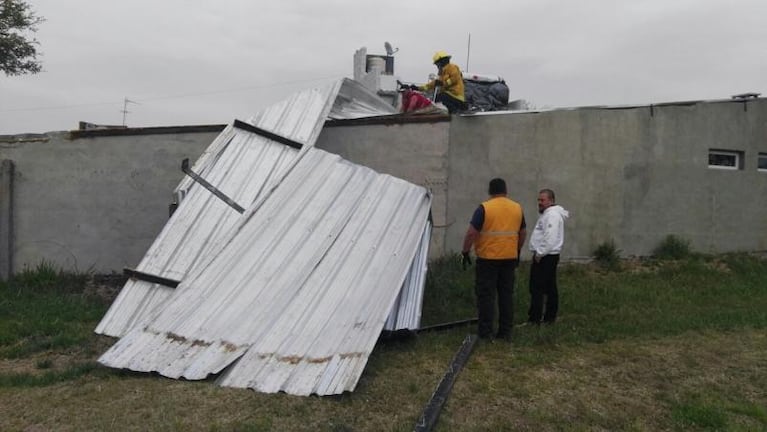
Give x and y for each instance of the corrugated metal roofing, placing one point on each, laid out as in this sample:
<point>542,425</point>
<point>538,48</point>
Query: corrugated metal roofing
<point>243,165</point>
<point>406,313</point>
<point>300,288</point>
<point>292,294</point>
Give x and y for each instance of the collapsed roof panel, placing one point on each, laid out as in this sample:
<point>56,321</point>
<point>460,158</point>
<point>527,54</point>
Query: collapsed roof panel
<point>298,291</point>
<point>354,101</point>
<point>406,313</point>
<point>243,165</point>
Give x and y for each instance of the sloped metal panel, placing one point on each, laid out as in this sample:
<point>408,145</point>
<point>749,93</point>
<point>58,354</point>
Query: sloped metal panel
<point>244,166</point>
<point>300,289</point>
<point>354,101</point>
<point>253,164</point>
<point>406,313</point>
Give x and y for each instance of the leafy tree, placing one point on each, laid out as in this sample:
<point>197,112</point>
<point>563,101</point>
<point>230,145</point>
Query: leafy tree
<point>18,53</point>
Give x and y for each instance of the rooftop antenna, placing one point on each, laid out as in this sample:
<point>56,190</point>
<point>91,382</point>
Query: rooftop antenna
<point>389,51</point>
<point>468,53</point>
<point>125,111</point>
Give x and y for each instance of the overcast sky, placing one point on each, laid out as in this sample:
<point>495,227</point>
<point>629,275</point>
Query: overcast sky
<point>192,62</point>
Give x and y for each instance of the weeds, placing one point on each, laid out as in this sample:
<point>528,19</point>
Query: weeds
<point>46,277</point>
<point>48,378</point>
<point>673,248</point>
<point>607,255</point>
<point>44,364</point>
<point>44,309</point>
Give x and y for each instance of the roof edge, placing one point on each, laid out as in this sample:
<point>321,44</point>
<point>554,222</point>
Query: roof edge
<point>156,130</point>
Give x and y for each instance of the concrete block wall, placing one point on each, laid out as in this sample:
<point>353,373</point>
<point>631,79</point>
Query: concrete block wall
<point>96,201</point>
<point>93,203</point>
<point>632,175</point>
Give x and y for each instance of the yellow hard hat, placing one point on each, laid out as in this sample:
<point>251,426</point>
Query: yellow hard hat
<point>439,55</point>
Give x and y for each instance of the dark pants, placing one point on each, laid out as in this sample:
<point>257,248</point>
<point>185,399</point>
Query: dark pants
<point>450,102</point>
<point>495,278</point>
<point>543,282</point>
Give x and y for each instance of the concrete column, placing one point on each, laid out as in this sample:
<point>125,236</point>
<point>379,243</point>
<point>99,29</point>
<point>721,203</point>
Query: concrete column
<point>6,219</point>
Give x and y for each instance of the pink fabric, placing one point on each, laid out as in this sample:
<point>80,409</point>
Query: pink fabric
<point>413,100</point>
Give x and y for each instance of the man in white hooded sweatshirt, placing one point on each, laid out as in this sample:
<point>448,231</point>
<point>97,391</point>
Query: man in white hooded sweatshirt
<point>546,244</point>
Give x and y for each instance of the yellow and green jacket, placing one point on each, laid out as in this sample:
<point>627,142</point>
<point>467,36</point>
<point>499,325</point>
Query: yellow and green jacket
<point>452,82</point>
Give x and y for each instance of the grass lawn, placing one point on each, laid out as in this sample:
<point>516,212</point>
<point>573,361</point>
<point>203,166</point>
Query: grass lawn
<point>655,345</point>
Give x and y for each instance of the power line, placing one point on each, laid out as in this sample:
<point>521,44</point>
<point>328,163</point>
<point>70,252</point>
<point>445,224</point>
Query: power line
<point>58,107</point>
<point>177,96</point>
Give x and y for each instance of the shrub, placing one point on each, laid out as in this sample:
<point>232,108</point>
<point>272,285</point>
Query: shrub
<point>673,248</point>
<point>607,255</point>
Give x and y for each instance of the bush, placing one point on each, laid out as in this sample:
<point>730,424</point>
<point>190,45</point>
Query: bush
<point>607,255</point>
<point>673,248</point>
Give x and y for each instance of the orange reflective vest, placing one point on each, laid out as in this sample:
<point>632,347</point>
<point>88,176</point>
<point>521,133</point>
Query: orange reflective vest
<point>499,237</point>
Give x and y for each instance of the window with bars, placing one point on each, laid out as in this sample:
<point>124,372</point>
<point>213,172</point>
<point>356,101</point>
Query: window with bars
<point>725,159</point>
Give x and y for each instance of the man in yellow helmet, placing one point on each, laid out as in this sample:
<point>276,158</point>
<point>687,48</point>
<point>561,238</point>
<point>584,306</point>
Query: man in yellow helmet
<point>449,83</point>
<point>497,232</point>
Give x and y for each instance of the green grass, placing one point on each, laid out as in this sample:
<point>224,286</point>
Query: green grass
<point>656,299</point>
<point>45,309</point>
<point>654,345</point>
<point>48,378</point>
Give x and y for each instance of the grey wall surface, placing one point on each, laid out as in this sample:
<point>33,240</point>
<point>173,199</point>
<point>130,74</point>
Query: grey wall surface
<point>93,203</point>
<point>632,175</point>
<point>416,152</point>
<point>578,154</point>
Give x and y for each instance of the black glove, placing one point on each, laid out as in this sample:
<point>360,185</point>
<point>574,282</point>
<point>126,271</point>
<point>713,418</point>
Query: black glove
<point>438,82</point>
<point>466,260</point>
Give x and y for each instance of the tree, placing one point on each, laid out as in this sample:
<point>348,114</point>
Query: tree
<point>18,53</point>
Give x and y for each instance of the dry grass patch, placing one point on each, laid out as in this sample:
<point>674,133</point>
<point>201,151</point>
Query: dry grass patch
<point>639,385</point>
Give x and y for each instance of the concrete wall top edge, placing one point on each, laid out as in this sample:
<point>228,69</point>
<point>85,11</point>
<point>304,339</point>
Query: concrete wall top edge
<point>620,107</point>
<point>159,130</point>
<point>90,133</point>
<point>389,120</point>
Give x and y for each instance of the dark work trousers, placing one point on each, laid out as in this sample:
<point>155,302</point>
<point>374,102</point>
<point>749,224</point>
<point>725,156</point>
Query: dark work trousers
<point>543,282</point>
<point>495,278</point>
<point>452,104</point>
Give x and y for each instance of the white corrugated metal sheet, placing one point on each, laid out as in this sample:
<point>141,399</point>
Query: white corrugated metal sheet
<point>297,292</point>
<point>244,166</point>
<point>406,313</point>
<point>355,101</point>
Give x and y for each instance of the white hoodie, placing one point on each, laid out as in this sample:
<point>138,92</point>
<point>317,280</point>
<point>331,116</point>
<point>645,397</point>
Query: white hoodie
<point>549,233</point>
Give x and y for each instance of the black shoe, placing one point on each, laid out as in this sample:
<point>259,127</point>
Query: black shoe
<point>505,337</point>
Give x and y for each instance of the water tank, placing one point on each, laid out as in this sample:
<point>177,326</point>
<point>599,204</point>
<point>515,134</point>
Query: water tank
<point>376,64</point>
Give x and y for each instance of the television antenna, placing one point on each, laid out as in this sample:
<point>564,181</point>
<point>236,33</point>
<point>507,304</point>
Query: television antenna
<point>125,111</point>
<point>389,51</point>
<point>468,52</point>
